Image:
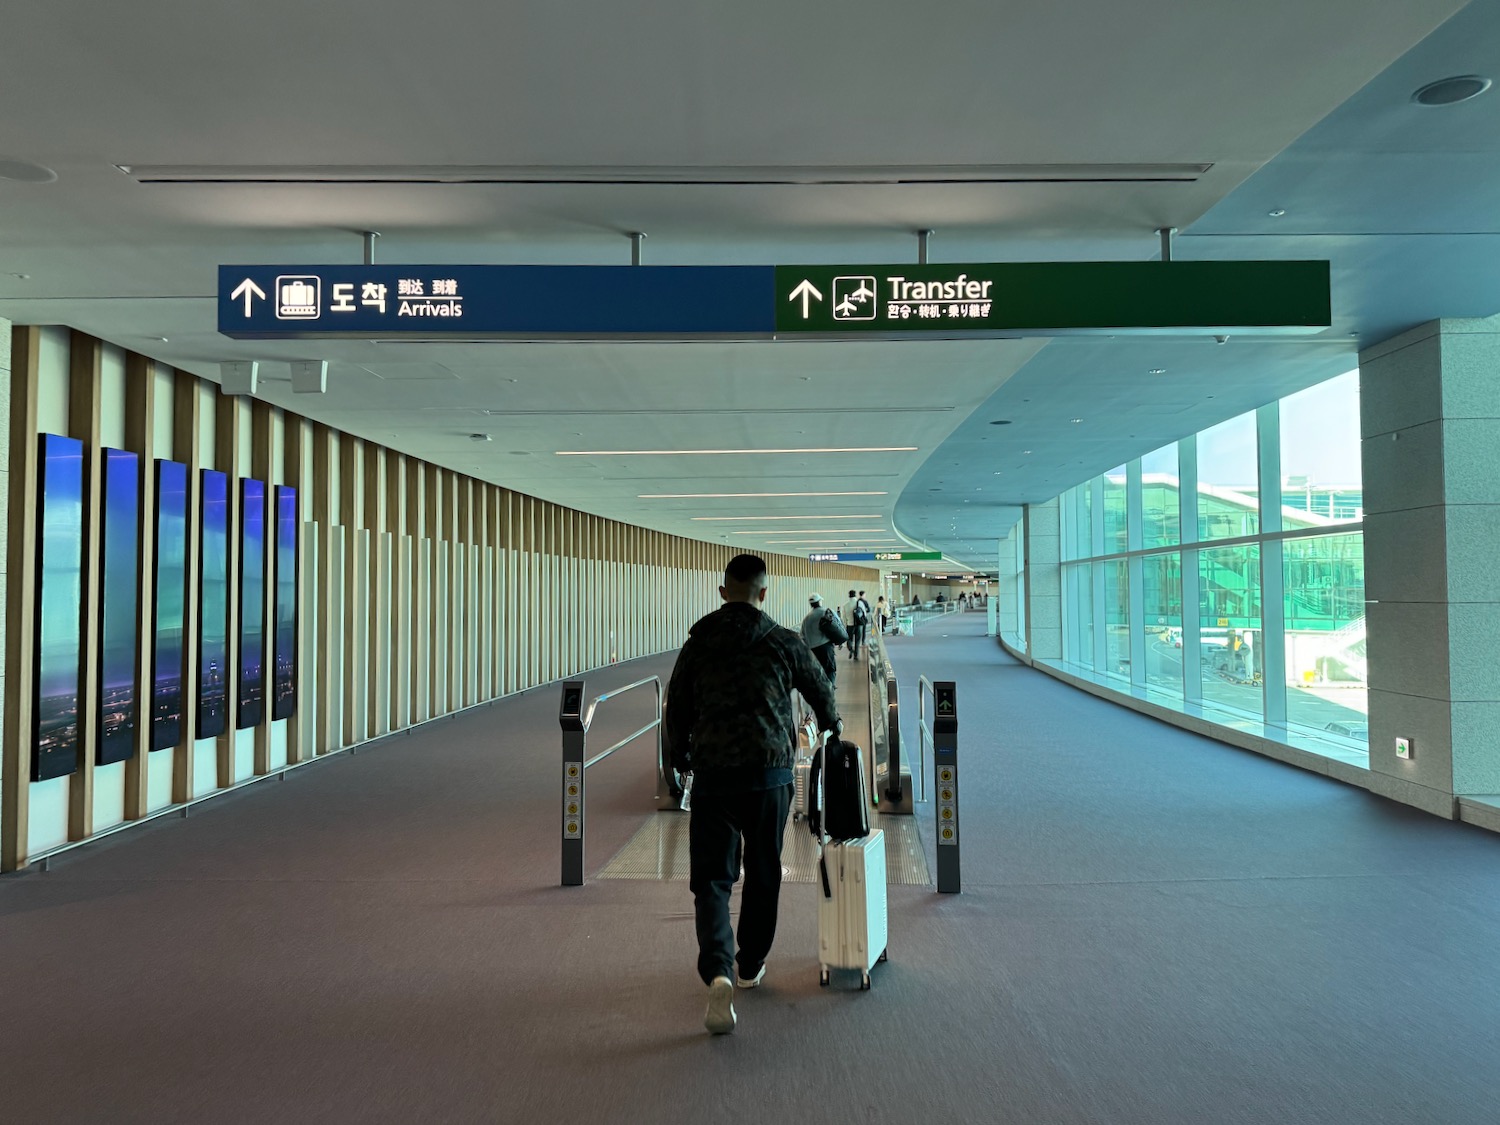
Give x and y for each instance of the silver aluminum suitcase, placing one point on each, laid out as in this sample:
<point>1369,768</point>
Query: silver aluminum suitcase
<point>801,788</point>
<point>852,931</point>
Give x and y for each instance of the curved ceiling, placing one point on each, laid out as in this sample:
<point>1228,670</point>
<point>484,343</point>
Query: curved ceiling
<point>783,91</point>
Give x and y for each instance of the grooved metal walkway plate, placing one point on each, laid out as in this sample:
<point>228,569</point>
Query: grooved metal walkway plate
<point>659,850</point>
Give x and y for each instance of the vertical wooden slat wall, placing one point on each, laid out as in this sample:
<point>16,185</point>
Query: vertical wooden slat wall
<point>455,590</point>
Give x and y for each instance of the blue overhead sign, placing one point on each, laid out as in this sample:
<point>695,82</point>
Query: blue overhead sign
<point>298,302</point>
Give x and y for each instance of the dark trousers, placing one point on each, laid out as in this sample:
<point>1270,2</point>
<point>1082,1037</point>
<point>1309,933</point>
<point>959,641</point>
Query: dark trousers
<point>718,825</point>
<point>828,660</point>
<point>856,640</point>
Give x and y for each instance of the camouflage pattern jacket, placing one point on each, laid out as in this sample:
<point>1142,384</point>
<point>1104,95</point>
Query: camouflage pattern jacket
<point>729,703</point>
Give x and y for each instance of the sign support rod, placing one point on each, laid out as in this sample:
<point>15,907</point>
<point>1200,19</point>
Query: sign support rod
<point>636,238</point>
<point>370,237</point>
<point>1165,234</point>
<point>922,237</point>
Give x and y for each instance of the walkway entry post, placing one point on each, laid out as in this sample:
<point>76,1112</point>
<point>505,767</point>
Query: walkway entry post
<point>574,735</point>
<point>945,766</point>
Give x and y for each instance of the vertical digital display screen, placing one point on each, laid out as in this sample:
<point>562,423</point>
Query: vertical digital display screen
<point>213,607</point>
<point>252,691</point>
<point>59,608</point>
<point>284,703</point>
<point>168,654</point>
<point>119,593</point>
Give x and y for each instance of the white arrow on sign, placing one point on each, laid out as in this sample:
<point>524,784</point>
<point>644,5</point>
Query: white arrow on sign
<point>248,290</point>
<point>805,291</point>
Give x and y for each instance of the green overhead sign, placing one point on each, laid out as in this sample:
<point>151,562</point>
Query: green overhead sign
<point>1032,297</point>
<point>874,556</point>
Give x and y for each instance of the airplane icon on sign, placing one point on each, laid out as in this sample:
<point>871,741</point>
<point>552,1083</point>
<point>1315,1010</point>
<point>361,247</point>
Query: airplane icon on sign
<point>854,298</point>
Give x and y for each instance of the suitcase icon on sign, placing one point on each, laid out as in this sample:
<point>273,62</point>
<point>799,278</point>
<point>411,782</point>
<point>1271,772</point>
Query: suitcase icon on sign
<point>298,297</point>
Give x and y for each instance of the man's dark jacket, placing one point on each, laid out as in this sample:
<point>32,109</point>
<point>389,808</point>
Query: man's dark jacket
<point>729,704</point>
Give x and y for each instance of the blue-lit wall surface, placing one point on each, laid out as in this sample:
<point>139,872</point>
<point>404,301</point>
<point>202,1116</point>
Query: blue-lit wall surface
<point>59,619</point>
<point>168,654</point>
<point>119,592</point>
<point>252,671</point>
<point>213,613</point>
<point>284,703</point>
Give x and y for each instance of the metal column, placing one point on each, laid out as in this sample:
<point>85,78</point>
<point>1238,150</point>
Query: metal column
<point>570,718</point>
<point>945,767</point>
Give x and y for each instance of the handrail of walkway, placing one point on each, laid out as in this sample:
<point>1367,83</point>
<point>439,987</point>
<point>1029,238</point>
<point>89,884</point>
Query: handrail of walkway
<point>654,724</point>
<point>894,787</point>
<point>575,722</point>
<point>924,736</point>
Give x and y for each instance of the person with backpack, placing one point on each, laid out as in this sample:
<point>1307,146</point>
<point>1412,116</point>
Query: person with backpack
<point>729,721</point>
<point>823,632</point>
<point>856,619</point>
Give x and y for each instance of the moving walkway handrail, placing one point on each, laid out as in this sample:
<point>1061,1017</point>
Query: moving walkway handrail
<point>654,724</point>
<point>924,735</point>
<point>575,723</point>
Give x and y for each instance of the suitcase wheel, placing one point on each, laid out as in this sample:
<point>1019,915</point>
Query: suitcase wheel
<point>883,953</point>
<point>864,982</point>
<point>823,977</point>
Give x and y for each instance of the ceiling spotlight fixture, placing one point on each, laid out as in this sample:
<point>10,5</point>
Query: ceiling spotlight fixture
<point>1027,452</point>
<point>24,171</point>
<point>1158,371</point>
<point>480,437</point>
<point>1001,422</point>
<point>1276,213</point>
<point>1077,420</point>
<point>1451,91</point>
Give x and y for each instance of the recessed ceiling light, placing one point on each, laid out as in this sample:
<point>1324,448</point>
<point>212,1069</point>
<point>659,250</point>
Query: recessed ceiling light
<point>716,452</point>
<point>1276,213</point>
<point>1158,371</point>
<point>20,276</point>
<point>1450,91</point>
<point>1001,422</point>
<point>1077,420</point>
<point>1027,452</point>
<point>25,172</point>
<point>742,495</point>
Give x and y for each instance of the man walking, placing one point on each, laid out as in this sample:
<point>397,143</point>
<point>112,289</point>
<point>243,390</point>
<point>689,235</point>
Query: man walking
<point>729,722</point>
<point>823,632</point>
<point>856,618</point>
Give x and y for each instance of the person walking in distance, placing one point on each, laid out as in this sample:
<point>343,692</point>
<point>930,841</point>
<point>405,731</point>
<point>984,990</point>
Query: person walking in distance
<point>823,632</point>
<point>856,617</point>
<point>729,722</point>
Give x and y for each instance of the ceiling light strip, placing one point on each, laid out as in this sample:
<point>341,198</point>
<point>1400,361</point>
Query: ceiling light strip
<point>743,495</point>
<point>723,452</point>
<point>743,519</point>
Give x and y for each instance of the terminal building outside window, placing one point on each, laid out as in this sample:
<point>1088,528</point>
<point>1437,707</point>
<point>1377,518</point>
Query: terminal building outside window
<point>1257,613</point>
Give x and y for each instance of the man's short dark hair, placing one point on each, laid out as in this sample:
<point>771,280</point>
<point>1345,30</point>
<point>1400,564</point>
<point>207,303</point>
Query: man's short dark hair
<point>851,593</point>
<point>744,570</point>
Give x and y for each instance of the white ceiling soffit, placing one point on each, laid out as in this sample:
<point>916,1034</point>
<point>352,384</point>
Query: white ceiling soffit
<point>866,123</point>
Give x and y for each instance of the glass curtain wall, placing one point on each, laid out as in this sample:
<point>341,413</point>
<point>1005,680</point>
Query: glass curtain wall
<point>1204,509</point>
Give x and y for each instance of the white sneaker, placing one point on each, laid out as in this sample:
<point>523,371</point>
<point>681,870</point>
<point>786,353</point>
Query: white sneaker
<point>719,1018</point>
<point>753,982</point>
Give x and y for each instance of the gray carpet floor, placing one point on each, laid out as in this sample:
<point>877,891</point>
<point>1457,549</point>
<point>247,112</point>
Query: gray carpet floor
<point>1155,928</point>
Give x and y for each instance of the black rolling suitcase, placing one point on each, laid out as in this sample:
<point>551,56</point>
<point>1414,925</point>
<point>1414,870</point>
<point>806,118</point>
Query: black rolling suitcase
<point>846,804</point>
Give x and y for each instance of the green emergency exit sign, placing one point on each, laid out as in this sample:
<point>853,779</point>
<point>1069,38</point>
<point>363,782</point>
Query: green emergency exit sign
<point>1053,297</point>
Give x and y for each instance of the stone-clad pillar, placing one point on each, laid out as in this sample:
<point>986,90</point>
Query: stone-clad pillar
<point>1430,420</point>
<point>1043,582</point>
